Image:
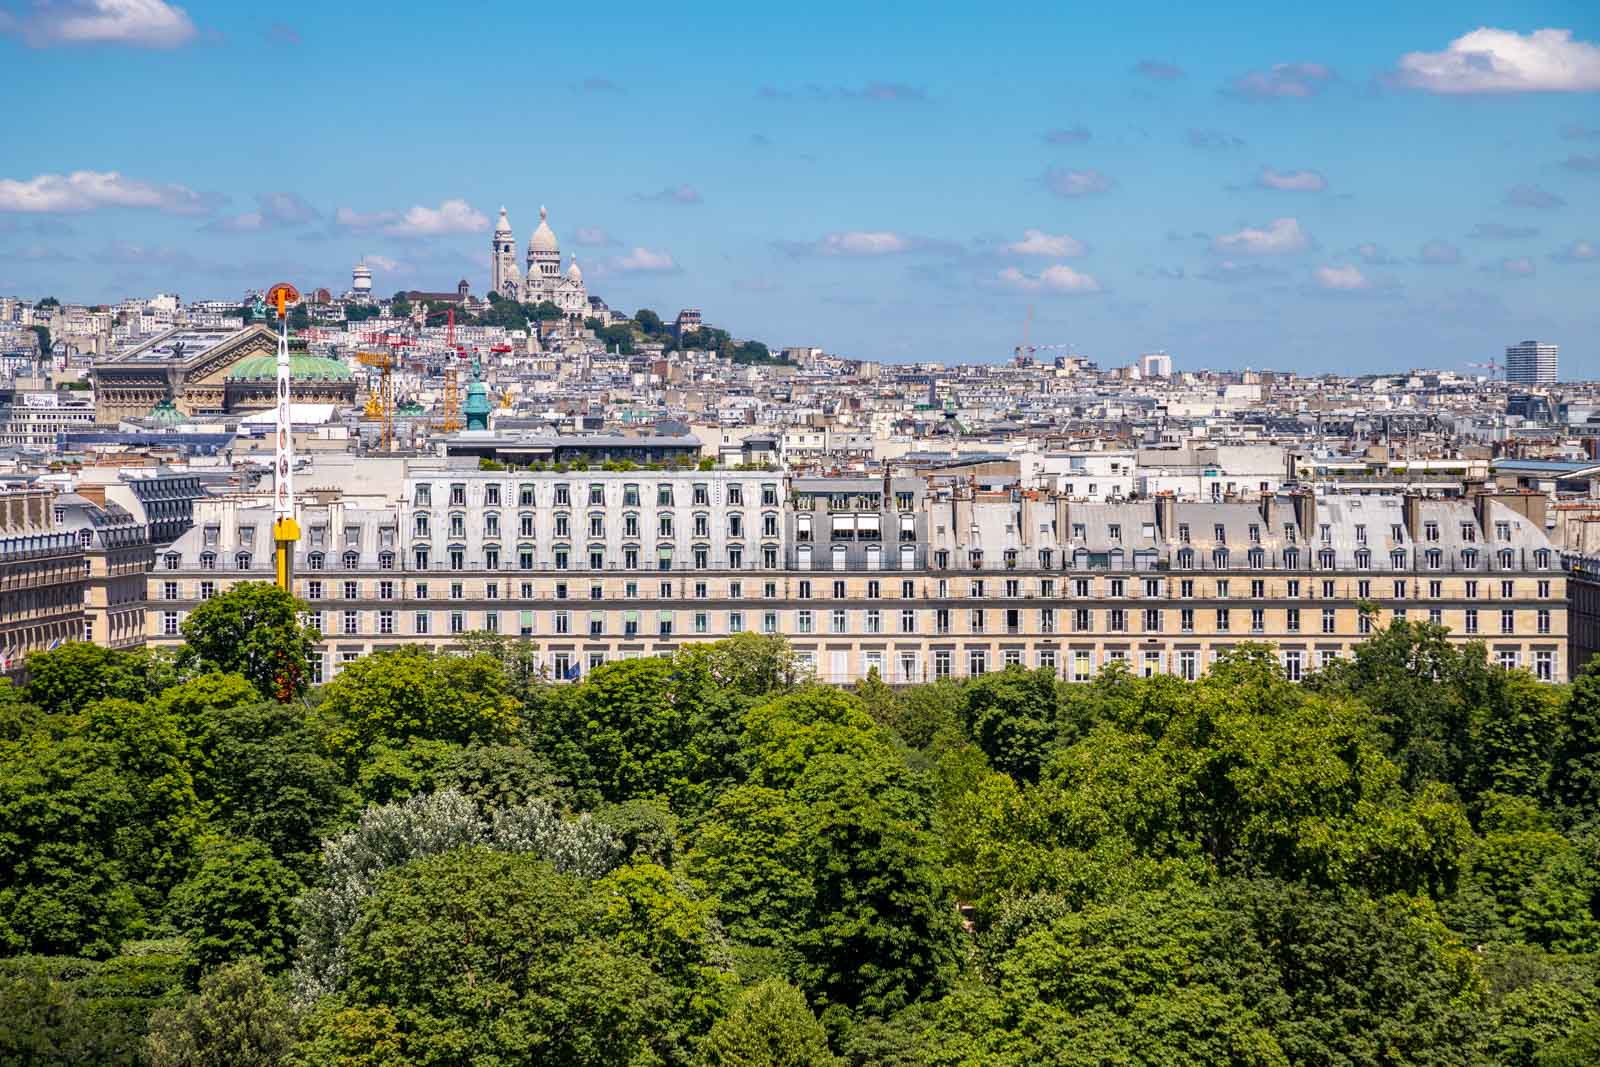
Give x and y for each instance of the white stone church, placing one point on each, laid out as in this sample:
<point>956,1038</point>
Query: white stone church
<point>544,279</point>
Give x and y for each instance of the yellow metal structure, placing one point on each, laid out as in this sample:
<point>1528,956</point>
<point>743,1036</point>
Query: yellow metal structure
<point>285,525</point>
<point>380,404</point>
<point>450,420</point>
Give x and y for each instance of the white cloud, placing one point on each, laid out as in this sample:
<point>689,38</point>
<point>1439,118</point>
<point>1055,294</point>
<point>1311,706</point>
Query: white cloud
<point>1071,183</point>
<point>593,237</point>
<point>140,23</point>
<point>276,209</point>
<point>1279,236</point>
<point>86,190</point>
<point>863,243</point>
<point>1297,80</point>
<point>1577,252</point>
<point>383,263</point>
<point>1295,181</point>
<point>1511,267</point>
<point>1039,243</point>
<point>249,222</point>
<point>673,194</point>
<point>1059,278</point>
<point>1342,279</point>
<point>451,216</point>
<point>351,219</point>
<point>1488,60</point>
<point>646,261</point>
<point>1438,253</point>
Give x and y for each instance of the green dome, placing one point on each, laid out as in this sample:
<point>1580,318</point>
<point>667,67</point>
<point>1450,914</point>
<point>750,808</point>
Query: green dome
<point>302,367</point>
<point>166,413</point>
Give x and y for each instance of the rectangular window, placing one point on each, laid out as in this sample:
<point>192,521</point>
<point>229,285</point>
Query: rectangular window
<point>352,623</point>
<point>1507,621</point>
<point>1544,620</point>
<point>1544,666</point>
<point>386,622</point>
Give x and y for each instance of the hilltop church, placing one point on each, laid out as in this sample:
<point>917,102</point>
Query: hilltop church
<point>544,279</point>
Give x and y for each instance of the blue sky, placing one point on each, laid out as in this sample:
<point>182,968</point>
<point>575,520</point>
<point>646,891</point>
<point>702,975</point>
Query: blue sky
<point>1358,186</point>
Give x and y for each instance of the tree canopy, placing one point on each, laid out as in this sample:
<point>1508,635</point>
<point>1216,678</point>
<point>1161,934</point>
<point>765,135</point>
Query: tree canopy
<point>709,860</point>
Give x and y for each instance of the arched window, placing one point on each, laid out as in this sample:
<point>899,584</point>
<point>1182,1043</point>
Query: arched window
<point>1291,558</point>
<point>314,561</point>
<point>1434,558</point>
<point>386,561</point>
<point>975,558</point>
<point>420,555</point>
<point>1507,559</point>
<point>1044,558</point>
<point>1257,558</point>
<point>1080,559</point>
<point>208,561</point>
<point>908,557</point>
<point>171,560</point>
<point>1397,559</point>
<point>1186,558</point>
<point>241,560</point>
<point>1469,558</point>
<point>1115,558</point>
<point>838,560</point>
<point>352,560</point>
<point>802,557</point>
<point>1219,558</point>
<point>1363,559</point>
<point>1011,558</point>
<point>85,538</point>
<point>1325,559</point>
<point>874,557</point>
<point>1541,558</point>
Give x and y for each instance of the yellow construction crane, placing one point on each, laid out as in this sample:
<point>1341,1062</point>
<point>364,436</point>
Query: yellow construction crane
<point>380,404</point>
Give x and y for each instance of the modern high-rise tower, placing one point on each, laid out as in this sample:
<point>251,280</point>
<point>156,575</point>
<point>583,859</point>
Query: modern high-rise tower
<point>1532,363</point>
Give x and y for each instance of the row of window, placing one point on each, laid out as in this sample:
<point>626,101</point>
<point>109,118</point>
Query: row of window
<point>906,621</point>
<point>562,525</point>
<point>563,493</point>
<point>805,589</point>
<point>907,666</point>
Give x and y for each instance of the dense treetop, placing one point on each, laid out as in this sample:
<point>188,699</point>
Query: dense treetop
<point>707,860</point>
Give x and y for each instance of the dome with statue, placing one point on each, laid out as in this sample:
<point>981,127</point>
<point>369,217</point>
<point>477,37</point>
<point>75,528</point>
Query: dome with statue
<point>252,383</point>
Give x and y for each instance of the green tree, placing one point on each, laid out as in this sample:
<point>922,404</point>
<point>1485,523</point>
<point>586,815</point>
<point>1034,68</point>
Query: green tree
<point>880,931</point>
<point>156,842</point>
<point>649,322</point>
<point>77,674</point>
<point>494,955</point>
<point>1011,716</point>
<point>1575,764</point>
<point>262,769</point>
<point>395,697</point>
<point>543,311</point>
<point>399,306</point>
<point>237,1019</point>
<point>63,887</point>
<point>253,629</point>
<point>240,902</point>
<point>770,1025</point>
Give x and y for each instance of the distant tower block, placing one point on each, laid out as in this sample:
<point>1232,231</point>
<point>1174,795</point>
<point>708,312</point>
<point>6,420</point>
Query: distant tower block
<point>361,280</point>
<point>1155,365</point>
